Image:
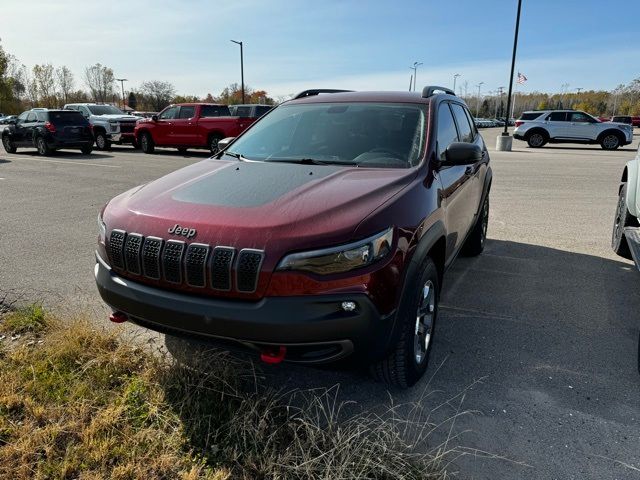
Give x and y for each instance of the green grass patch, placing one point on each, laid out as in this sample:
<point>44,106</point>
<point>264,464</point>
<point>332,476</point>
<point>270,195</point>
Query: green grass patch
<point>86,404</point>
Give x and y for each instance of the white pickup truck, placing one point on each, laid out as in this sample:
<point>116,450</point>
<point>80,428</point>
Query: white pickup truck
<point>626,226</point>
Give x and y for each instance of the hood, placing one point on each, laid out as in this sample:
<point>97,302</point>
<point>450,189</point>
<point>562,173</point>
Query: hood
<point>276,207</point>
<point>116,116</point>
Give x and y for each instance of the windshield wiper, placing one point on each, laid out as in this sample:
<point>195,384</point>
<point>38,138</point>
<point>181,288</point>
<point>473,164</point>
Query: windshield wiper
<point>231,154</point>
<point>310,161</point>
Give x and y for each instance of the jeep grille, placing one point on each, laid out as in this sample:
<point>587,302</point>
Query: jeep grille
<point>196,264</point>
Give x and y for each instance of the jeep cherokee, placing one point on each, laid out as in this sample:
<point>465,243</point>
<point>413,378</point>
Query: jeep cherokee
<point>322,232</point>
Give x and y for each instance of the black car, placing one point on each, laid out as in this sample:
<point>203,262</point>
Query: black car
<point>48,130</point>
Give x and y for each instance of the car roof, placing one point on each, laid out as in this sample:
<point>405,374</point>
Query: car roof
<point>379,96</point>
<point>193,104</point>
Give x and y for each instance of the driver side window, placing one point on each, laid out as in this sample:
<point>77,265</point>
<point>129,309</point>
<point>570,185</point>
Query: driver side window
<point>447,133</point>
<point>169,114</point>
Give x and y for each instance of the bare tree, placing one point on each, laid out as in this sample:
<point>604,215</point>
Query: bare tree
<point>158,93</point>
<point>65,82</point>
<point>43,75</point>
<point>100,80</point>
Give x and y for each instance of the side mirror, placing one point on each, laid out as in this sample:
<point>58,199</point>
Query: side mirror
<point>224,143</point>
<point>154,118</point>
<point>461,153</point>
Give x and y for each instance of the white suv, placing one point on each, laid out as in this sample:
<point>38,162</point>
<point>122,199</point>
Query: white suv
<point>570,126</point>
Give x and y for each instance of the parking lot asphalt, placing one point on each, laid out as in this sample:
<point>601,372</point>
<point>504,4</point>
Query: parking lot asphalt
<point>536,340</point>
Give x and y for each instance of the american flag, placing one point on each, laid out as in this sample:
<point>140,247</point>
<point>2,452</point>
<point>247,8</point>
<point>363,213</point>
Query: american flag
<point>521,78</point>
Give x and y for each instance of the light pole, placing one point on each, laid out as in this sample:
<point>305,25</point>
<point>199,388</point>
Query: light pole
<point>241,68</point>
<point>478,107</point>
<point>122,80</point>
<point>415,73</point>
<point>455,77</point>
<point>505,141</point>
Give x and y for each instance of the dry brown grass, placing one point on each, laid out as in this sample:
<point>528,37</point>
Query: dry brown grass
<point>84,404</point>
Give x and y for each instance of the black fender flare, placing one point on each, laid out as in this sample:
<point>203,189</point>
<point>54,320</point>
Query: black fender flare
<point>485,189</point>
<point>537,130</point>
<point>613,131</point>
<point>427,242</point>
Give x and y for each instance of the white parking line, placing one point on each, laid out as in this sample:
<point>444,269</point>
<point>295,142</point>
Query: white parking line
<point>71,163</point>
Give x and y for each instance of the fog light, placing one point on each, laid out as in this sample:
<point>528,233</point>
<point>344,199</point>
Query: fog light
<point>348,306</point>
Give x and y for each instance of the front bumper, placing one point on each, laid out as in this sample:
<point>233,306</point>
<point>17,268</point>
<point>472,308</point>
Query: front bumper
<point>314,329</point>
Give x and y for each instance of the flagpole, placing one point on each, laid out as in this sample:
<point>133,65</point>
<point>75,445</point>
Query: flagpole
<point>513,102</point>
<point>504,141</point>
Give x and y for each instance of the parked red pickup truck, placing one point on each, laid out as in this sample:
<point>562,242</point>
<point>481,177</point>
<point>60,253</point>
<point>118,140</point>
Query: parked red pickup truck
<point>189,125</point>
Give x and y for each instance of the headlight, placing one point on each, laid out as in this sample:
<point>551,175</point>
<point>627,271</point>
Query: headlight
<point>102,229</point>
<point>341,259</point>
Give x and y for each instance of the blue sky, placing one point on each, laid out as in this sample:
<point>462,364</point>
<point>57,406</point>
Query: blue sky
<point>364,45</point>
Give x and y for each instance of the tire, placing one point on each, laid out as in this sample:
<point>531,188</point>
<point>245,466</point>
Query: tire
<point>537,139</point>
<point>213,142</point>
<point>610,141</point>
<point>409,357</point>
<point>8,144</point>
<point>43,148</point>
<point>146,143</point>
<point>474,244</point>
<point>182,149</point>
<point>622,219</point>
<point>87,150</point>
<point>102,142</point>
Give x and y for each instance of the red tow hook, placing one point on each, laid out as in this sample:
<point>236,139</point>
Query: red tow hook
<point>273,355</point>
<point>118,317</point>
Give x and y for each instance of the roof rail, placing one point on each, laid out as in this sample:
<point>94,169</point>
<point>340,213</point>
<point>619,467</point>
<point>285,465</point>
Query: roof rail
<point>317,91</point>
<point>431,89</point>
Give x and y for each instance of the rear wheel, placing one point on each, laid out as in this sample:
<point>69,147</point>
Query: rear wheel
<point>43,148</point>
<point>87,150</point>
<point>536,139</point>
<point>478,236</point>
<point>182,149</point>
<point>409,357</point>
<point>102,142</point>
<point>622,219</point>
<point>8,144</point>
<point>213,142</point>
<point>610,141</point>
<point>146,143</point>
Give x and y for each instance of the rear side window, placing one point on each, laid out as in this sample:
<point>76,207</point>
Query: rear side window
<point>243,112</point>
<point>262,110</point>
<point>464,128</point>
<point>214,111</point>
<point>41,116</point>
<point>447,133</point>
<point>530,115</point>
<point>557,117</point>
<point>31,117</point>
<point>187,112</point>
<point>67,117</point>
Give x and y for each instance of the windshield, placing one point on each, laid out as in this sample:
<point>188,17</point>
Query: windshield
<point>365,134</point>
<point>104,110</point>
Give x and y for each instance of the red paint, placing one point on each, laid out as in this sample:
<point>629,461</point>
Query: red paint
<point>194,132</point>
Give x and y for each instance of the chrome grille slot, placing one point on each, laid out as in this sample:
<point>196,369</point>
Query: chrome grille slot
<point>151,257</point>
<point>248,269</point>
<point>116,247</point>
<point>196,264</point>
<point>172,260</point>
<point>132,247</point>
<point>221,262</point>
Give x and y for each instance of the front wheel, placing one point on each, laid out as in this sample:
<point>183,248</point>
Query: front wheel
<point>102,142</point>
<point>622,219</point>
<point>409,357</point>
<point>8,144</point>
<point>146,143</point>
<point>87,150</point>
<point>610,141</point>
<point>43,148</point>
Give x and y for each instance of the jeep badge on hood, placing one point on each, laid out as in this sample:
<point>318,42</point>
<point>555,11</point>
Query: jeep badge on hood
<point>184,231</point>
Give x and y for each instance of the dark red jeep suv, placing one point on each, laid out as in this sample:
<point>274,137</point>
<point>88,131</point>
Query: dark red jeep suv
<point>320,233</point>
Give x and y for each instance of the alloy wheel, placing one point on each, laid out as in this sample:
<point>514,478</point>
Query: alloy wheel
<point>536,140</point>
<point>100,142</point>
<point>424,322</point>
<point>610,142</point>
<point>42,147</point>
<point>485,221</point>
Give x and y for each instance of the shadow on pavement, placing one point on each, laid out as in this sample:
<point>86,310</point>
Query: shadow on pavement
<point>543,343</point>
